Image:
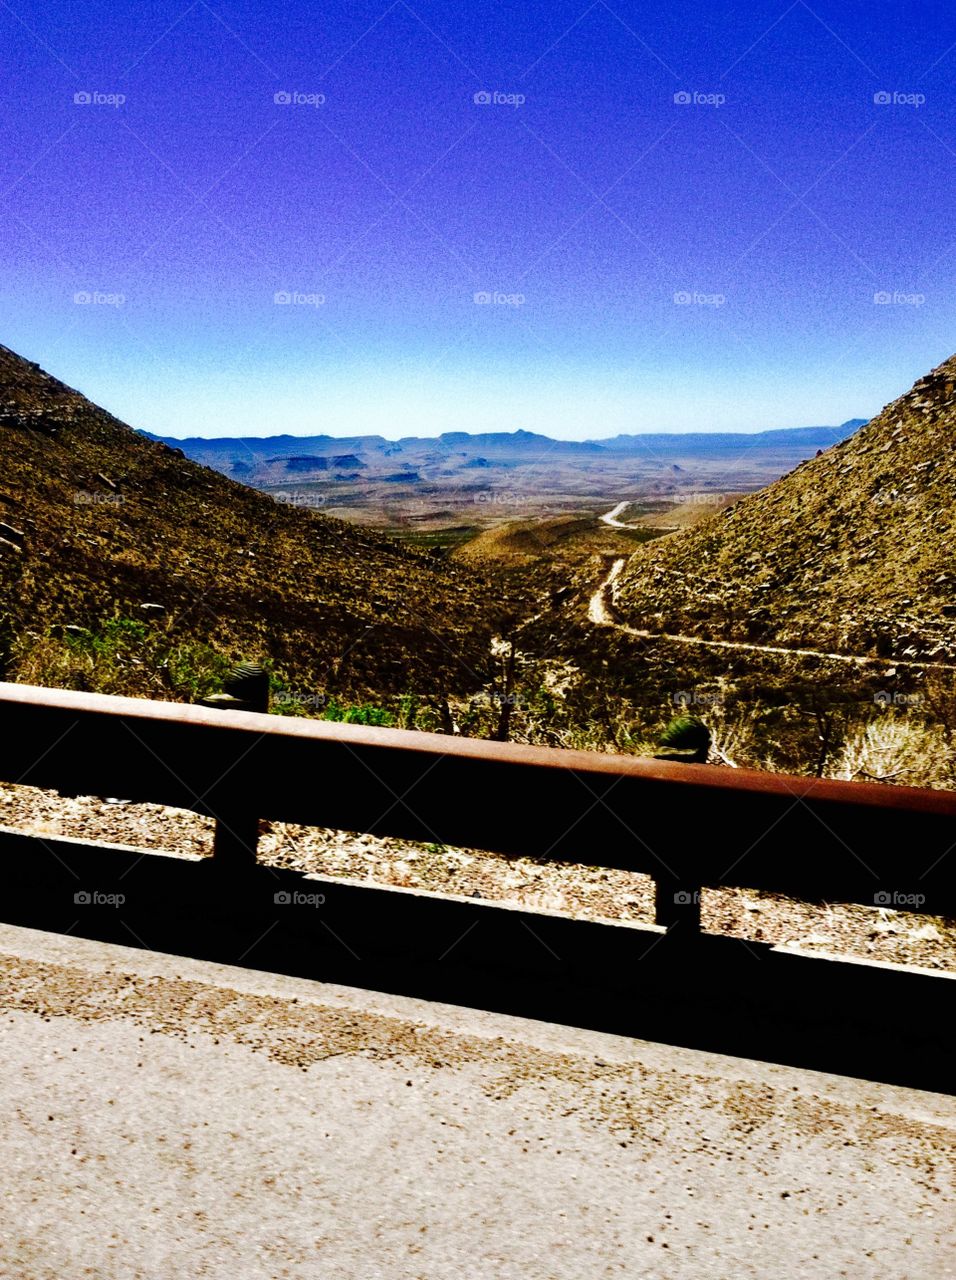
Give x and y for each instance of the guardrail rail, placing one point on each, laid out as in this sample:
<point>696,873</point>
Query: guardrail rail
<point>690,827</point>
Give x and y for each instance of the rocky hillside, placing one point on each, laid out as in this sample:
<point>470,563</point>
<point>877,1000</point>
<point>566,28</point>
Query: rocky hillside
<point>98,521</point>
<point>854,551</point>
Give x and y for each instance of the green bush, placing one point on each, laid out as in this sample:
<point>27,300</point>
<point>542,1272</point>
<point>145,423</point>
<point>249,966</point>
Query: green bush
<point>367,714</point>
<point>119,655</point>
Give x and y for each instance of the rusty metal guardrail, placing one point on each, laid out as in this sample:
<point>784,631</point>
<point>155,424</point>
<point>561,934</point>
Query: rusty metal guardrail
<point>687,826</point>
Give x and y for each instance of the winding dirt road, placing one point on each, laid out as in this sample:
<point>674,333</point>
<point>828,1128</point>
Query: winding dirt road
<point>611,517</point>
<point>600,613</point>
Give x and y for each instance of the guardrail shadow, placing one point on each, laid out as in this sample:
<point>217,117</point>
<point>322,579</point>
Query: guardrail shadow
<point>678,987</point>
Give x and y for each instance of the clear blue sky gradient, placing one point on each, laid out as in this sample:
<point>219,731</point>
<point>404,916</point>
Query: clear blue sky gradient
<point>590,211</point>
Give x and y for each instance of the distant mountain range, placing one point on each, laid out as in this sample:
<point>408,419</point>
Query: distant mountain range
<point>711,441</point>
<point>215,451</point>
<point>463,462</point>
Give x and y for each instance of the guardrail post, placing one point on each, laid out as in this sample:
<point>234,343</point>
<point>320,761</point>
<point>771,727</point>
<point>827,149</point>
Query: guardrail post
<point>677,904</point>
<point>236,838</point>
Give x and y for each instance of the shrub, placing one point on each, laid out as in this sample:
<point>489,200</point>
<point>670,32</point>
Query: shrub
<point>119,655</point>
<point>366,714</point>
<point>894,750</point>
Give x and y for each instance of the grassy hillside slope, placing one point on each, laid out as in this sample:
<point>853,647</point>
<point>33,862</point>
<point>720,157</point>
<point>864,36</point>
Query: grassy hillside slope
<point>99,521</point>
<point>854,551</point>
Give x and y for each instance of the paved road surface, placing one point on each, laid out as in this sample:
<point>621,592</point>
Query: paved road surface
<point>167,1118</point>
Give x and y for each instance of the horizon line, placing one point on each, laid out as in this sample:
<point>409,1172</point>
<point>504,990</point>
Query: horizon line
<point>519,431</point>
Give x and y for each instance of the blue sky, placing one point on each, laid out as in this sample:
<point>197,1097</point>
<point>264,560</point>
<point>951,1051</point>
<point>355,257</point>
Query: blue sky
<point>577,218</point>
